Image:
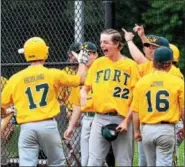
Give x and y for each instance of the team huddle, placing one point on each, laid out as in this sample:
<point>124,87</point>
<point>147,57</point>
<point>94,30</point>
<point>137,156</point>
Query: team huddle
<point>113,94</point>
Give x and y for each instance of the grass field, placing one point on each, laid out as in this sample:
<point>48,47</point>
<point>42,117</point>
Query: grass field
<point>13,149</point>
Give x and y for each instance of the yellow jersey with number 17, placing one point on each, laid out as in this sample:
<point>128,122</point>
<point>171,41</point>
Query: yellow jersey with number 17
<point>159,96</point>
<point>112,84</point>
<point>34,92</point>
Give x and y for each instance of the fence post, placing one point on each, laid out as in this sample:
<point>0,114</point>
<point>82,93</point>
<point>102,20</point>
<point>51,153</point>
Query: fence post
<point>79,20</point>
<point>109,13</point>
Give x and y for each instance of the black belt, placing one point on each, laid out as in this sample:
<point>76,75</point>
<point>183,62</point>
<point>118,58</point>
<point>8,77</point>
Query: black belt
<point>90,114</point>
<point>109,113</point>
<point>162,122</point>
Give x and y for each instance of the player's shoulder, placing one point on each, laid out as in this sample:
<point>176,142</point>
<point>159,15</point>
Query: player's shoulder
<point>100,59</point>
<point>146,79</point>
<point>130,61</point>
<point>176,71</point>
<point>146,64</point>
<point>175,78</point>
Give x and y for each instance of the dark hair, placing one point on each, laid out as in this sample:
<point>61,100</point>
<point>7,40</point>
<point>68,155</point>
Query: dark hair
<point>116,37</point>
<point>162,65</point>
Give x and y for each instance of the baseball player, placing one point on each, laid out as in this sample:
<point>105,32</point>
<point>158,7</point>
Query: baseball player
<point>87,111</point>
<point>179,125</point>
<point>65,106</point>
<point>4,152</point>
<point>151,43</point>
<point>157,105</point>
<point>176,54</point>
<point>33,91</point>
<point>112,79</point>
<point>72,70</point>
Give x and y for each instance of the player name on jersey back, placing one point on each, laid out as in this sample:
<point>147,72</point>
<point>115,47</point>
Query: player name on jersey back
<point>34,78</point>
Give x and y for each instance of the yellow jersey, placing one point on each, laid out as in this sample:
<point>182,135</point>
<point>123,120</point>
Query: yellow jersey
<point>74,99</point>
<point>158,96</point>
<point>34,92</point>
<point>65,92</point>
<point>147,68</point>
<point>112,84</point>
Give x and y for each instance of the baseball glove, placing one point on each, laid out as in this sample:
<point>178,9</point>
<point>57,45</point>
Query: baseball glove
<point>82,57</point>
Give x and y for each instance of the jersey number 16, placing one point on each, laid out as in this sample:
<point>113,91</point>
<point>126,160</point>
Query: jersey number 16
<point>162,104</point>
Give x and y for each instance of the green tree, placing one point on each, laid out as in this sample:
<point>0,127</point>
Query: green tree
<point>166,18</point>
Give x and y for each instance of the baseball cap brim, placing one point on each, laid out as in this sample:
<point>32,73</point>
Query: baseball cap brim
<point>147,44</point>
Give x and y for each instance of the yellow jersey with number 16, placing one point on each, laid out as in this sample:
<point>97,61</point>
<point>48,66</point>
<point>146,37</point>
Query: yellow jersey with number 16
<point>159,96</point>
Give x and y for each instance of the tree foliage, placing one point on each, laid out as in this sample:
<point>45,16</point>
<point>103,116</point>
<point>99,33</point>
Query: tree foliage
<point>166,18</point>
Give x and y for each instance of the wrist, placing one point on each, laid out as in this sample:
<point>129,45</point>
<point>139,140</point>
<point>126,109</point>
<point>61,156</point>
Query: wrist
<point>130,40</point>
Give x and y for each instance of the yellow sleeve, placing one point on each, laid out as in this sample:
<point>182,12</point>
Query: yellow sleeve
<point>6,96</point>
<point>181,95</point>
<point>64,79</point>
<point>175,71</point>
<point>74,97</point>
<point>141,69</point>
<point>90,74</point>
<point>180,74</point>
<point>135,75</point>
<point>135,100</point>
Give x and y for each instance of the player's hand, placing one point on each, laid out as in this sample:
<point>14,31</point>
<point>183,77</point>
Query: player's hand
<point>181,134</point>
<point>137,136</point>
<point>128,35</point>
<point>68,133</point>
<point>139,30</point>
<point>123,126</point>
<point>82,57</point>
<point>10,110</point>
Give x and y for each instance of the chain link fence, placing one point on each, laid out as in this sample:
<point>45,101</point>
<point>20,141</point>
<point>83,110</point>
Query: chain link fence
<point>59,23</point>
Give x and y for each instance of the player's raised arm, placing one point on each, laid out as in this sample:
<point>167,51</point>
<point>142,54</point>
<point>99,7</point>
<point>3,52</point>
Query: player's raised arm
<point>141,33</point>
<point>136,54</point>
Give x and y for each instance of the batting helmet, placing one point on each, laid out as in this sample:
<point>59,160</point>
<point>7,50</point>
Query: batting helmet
<point>176,52</point>
<point>109,132</point>
<point>35,48</point>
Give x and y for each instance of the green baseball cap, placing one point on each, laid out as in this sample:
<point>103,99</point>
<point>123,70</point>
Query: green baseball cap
<point>163,54</point>
<point>89,46</point>
<point>75,47</point>
<point>109,132</point>
<point>157,41</point>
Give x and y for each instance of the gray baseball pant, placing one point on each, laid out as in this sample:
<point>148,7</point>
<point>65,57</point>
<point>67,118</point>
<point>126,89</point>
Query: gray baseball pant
<point>44,134</point>
<point>158,143</point>
<point>99,146</point>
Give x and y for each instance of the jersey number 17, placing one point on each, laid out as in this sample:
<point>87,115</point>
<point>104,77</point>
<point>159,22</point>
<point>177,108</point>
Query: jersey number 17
<point>38,88</point>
